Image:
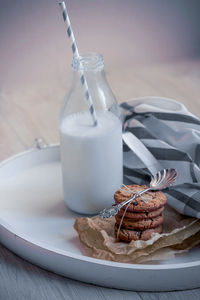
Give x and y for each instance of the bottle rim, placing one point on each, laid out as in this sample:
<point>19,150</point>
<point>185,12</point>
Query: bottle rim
<point>88,62</point>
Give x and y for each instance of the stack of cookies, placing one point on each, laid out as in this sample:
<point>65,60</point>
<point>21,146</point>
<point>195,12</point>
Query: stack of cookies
<point>144,215</point>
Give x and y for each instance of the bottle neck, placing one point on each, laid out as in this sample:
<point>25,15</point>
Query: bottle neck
<point>92,65</point>
<point>88,63</point>
<point>96,80</point>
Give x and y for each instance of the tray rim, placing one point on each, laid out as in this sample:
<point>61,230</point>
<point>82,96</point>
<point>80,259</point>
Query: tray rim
<point>66,253</point>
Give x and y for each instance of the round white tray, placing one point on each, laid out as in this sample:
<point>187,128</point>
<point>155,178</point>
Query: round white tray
<point>36,224</point>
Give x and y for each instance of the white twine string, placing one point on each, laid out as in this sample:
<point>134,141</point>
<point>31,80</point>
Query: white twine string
<point>81,72</point>
<point>120,224</point>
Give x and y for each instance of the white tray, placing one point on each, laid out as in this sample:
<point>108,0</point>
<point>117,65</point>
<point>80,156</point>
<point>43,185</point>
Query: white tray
<point>36,225</point>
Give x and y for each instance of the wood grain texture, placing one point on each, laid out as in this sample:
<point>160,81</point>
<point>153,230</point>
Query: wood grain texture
<point>29,112</point>
<point>21,280</point>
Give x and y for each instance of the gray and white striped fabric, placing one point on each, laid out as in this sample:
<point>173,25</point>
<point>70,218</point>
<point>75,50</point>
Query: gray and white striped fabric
<point>172,135</point>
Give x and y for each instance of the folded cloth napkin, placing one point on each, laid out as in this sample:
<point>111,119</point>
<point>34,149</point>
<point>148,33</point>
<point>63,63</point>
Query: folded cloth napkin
<point>172,134</point>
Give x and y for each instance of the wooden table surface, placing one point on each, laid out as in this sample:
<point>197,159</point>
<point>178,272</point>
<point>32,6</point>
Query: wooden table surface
<point>28,112</point>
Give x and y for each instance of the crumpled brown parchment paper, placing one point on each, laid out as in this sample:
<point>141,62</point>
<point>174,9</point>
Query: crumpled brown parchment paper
<point>180,233</point>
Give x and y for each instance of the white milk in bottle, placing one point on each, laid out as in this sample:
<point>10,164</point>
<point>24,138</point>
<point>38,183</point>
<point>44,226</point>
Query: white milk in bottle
<point>91,156</point>
<point>91,160</point>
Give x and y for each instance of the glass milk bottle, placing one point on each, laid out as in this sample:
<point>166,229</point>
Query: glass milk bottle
<point>91,156</point>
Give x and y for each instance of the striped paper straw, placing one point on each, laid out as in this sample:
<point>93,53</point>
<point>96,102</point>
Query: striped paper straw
<point>76,53</point>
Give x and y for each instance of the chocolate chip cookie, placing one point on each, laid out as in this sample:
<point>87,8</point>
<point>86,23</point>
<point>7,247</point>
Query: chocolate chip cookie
<point>128,235</point>
<point>140,224</point>
<point>156,199</point>
<point>140,216</point>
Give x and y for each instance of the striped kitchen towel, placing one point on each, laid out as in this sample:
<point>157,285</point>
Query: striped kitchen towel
<point>172,135</point>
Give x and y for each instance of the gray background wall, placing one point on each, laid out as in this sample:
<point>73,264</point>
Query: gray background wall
<point>34,48</point>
